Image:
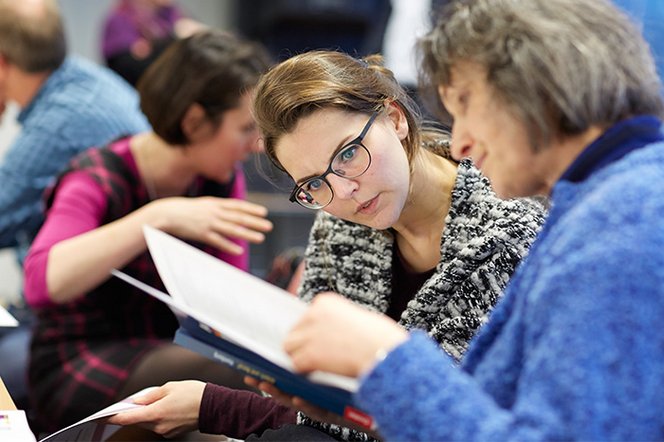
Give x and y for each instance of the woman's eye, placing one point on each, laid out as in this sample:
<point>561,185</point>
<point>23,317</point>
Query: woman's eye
<point>348,154</point>
<point>313,185</point>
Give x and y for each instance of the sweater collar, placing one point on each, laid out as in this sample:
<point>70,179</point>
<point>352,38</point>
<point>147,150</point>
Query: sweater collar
<point>52,83</point>
<point>619,140</point>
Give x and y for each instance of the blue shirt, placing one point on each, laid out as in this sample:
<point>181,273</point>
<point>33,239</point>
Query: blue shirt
<point>575,349</point>
<point>79,106</point>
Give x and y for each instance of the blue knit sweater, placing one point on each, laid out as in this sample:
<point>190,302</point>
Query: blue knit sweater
<point>575,349</point>
<point>80,105</point>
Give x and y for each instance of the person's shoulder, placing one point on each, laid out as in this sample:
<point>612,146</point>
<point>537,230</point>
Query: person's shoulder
<point>650,159</point>
<point>94,78</point>
<point>629,185</point>
<point>80,82</point>
<point>637,171</point>
<point>81,93</point>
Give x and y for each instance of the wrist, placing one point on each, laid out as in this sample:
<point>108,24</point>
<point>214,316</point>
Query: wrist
<point>382,351</point>
<point>152,215</point>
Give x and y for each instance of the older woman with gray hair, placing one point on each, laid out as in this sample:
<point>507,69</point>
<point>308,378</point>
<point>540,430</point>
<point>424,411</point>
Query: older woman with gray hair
<point>555,97</point>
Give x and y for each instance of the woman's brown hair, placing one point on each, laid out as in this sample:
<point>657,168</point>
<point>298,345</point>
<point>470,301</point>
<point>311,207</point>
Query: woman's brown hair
<point>210,68</point>
<point>318,80</point>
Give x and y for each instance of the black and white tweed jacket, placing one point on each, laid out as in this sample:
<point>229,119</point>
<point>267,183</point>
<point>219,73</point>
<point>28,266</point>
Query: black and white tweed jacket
<point>483,241</point>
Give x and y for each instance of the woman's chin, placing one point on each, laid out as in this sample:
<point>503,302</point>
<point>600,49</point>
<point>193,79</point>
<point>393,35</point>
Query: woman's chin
<point>377,222</point>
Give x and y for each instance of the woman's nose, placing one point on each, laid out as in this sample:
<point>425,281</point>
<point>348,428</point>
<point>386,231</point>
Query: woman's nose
<point>343,188</point>
<point>462,144</point>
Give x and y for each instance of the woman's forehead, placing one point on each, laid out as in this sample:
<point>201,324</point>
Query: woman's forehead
<point>315,138</point>
<point>322,127</point>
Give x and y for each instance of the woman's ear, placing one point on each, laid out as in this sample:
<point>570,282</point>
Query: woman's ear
<point>195,124</point>
<point>398,119</point>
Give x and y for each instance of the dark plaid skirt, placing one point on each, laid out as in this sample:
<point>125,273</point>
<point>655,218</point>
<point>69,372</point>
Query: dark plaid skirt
<point>72,380</point>
<point>83,352</point>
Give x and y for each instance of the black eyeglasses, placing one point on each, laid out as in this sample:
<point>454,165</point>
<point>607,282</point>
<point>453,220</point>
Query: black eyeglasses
<point>352,160</point>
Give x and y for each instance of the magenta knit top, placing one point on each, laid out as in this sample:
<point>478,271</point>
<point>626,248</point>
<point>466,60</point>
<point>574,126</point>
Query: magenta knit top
<point>79,207</point>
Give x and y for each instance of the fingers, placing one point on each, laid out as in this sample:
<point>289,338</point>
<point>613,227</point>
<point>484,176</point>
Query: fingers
<point>298,403</point>
<point>252,382</point>
<point>131,417</point>
<point>277,395</point>
<point>273,391</point>
<point>300,343</point>
<point>143,414</point>
<point>243,213</point>
<point>244,206</point>
<point>151,396</point>
<point>327,337</point>
<point>215,221</point>
<point>233,229</point>
<point>241,220</point>
<point>222,243</point>
<point>295,345</point>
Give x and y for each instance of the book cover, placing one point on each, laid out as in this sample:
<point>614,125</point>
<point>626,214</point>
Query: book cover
<point>239,320</point>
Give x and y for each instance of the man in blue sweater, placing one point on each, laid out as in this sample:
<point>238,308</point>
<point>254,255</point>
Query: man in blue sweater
<point>555,97</point>
<point>67,105</point>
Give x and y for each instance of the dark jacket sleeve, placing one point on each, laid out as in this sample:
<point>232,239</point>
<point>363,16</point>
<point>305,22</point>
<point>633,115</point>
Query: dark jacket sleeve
<point>239,413</point>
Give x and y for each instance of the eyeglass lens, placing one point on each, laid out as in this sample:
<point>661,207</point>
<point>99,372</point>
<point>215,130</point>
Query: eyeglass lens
<point>350,162</point>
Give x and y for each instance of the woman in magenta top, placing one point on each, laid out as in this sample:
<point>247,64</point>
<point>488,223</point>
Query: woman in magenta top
<point>97,339</point>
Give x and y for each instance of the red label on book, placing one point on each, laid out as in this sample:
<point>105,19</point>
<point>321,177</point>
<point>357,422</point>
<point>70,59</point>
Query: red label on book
<point>355,415</point>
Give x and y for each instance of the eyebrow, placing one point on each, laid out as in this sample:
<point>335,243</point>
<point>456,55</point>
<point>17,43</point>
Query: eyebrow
<point>345,142</point>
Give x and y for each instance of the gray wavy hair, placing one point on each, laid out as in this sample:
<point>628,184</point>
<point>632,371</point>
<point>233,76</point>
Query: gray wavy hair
<point>561,66</point>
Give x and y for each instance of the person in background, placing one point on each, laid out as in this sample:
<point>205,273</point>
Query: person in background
<point>402,228</point>
<point>136,32</point>
<point>97,339</point>
<point>556,97</point>
<point>66,105</point>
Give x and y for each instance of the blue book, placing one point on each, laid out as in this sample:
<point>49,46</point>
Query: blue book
<point>239,320</point>
<point>337,400</point>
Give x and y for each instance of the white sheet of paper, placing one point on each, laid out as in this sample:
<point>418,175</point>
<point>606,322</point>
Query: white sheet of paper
<point>6,319</point>
<point>249,311</point>
<point>14,426</point>
<point>91,428</point>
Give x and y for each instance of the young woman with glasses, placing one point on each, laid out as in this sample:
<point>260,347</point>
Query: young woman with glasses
<point>403,229</point>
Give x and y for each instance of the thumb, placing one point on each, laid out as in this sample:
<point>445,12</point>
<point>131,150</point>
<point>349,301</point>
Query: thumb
<point>150,396</point>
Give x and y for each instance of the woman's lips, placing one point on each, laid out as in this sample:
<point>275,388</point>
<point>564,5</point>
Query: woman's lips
<point>368,207</point>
